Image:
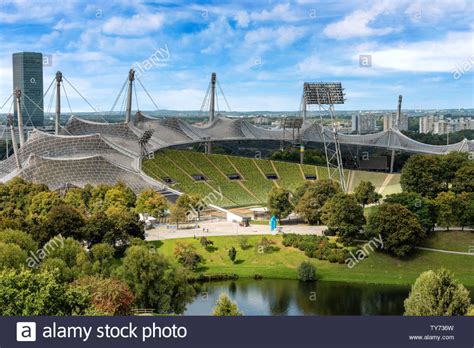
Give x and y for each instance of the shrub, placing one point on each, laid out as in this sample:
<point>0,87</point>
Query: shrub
<point>187,256</point>
<point>265,245</point>
<point>244,243</point>
<point>332,257</point>
<point>306,272</point>
<point>232,254</point>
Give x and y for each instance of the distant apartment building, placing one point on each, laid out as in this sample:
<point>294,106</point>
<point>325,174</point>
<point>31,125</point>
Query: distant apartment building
<point>403,122</point>
<point>441,125</point>
<point>28,77</point>
<point>364,123</point>
<point>387,121</point>
<point>391,121</point>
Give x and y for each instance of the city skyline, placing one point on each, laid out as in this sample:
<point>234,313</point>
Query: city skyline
<point>262,54</point>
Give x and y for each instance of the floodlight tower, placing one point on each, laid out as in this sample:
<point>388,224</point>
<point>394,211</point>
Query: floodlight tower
<point>325,95</point>
<point>143,142</point>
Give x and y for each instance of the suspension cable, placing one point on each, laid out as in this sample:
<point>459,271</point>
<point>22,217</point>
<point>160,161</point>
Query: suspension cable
<point>204,102</point>
<point>118,96</point>
<point>74,88</point>
<point>148,94</point>
<point>6,101</point>
<point>65,94</point>
<point>222,92</point>
<point>49,87</point>
<point>136,97</point>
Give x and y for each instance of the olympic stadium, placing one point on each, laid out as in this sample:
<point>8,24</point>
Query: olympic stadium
<point>139,153</point>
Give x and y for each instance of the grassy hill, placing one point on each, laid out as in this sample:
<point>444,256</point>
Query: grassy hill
<point>253,186</point>
<point>379,268</point>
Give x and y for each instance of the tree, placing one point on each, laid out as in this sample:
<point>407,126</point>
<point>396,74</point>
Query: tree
<point>398,227</point>
<point>450,164</point>
<point>120,195</point>
<point>306,272</point>
<point>343,216</point>
<point>232,254</point>
<point>465,209</point>
<point>423,174</point>
<point>109,296</point>
<point>187,255</point>
<point>447,207</point>
<point>437,293</point>
<point>96,227</point>
<point>152,203</point>
<point>25,293</point>
<point>62,219</point>
<point>126,225</point>
<point>224,306</point>
<point>17,194</point>
<point>102,256</point>
<point>198,204</point>
<point>279,203</point>
<point>178,214</point>
<point>20,238</point>
<point>71,252</point>
<point>464,179</point>
<point>11,256</point>
<point>154,281</point>
<point>365,193</point>
<point>97,196</point>
<point>42,203</point>
<point>300,191</point>
<point>422,207</point>
<point>77,198</point>
<point>314,198</point>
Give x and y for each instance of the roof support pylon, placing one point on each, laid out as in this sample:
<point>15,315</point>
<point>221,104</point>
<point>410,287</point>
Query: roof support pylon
<point>20,116</point>
<point>59,79</point>
<point>128,111</point>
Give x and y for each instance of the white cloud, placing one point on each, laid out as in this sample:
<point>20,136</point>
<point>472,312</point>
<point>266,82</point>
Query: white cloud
<point>67,25</point>
<point>442,55</point>
<point>281,13</point>
<point>242,19</point>
<point>135,25</point>
<point>30,11</point>
<point>422,11</point>
<point>315,66</point>
<point>357,23</point>
<point>265,38</point>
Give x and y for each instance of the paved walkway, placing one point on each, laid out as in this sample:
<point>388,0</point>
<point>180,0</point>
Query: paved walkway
<point>225,228</point>
<point>446,251</point>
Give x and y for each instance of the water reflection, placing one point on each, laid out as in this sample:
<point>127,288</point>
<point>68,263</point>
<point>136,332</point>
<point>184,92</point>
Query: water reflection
<point>290,297</point>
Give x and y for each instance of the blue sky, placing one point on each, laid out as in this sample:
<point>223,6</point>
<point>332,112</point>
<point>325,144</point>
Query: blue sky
<point>262,51</point>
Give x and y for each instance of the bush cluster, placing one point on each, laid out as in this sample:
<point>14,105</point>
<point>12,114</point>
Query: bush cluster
<point>318,247</point>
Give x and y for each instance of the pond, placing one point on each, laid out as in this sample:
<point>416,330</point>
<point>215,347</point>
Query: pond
<point>291,297</point>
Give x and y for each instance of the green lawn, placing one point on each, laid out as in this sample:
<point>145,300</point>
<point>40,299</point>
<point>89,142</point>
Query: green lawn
<point>377,268</point>
<point>452,240</point>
